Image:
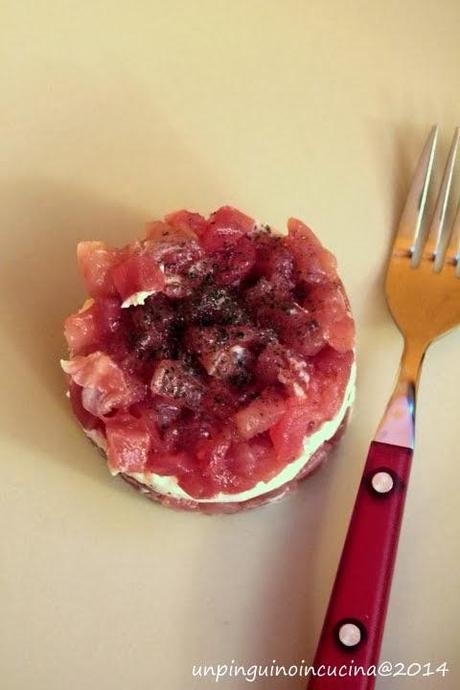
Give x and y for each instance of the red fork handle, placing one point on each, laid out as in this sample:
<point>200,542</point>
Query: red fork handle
<point>359,598</point>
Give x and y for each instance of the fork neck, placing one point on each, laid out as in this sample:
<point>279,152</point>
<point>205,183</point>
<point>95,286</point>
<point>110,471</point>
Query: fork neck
<point>411,362</point>
<point>397,426</point>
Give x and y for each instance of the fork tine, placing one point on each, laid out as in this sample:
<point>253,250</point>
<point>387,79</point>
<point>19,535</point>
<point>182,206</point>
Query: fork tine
<point>453,250</point>
<point>437,235</point>
<point>412,215</point>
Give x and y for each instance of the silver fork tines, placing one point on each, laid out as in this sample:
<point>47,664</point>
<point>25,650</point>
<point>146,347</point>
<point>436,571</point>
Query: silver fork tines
<point>410,239</point>
<point>437,236</point>
<point>410,223</point>
<point>453,249</point>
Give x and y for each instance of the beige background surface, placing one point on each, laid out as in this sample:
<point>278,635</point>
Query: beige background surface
<point>113,113</point>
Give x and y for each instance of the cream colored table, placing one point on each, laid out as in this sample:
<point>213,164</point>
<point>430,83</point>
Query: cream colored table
<point>113,113</point>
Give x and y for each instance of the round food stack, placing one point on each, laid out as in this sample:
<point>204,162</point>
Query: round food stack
<point>213,362</point>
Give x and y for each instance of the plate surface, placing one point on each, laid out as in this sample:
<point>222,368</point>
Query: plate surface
<point>112,114</point>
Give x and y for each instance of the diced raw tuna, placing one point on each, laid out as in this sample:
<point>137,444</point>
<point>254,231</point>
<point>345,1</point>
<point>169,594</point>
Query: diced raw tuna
<point>259,415</point>
<point>254,461</point>
<point>231,254</point>
<point>313,263</point>
<point>95,262</point>
<point>135,274</point>
<point>174,464</point>
<point>209,351</point>
<point>289,431</point>
<point>152,328</point>
<point>332,313</point>
<point>166,411</point>
<point>86,419</point>
<point>296,326</point>
<point>329,377</point>
<point>105,386</point>
<point>225,353</point>
<point>278,364</point>
<point>180,256</point>
<point>329,380</point>
<point>275,262</point>
<point>92,326</point>
<point>171,380</point>
<point>128,443</point>
<point>230,217</point>
<point>191,224</point>
<point>220,399</point>
<point>212,305</point>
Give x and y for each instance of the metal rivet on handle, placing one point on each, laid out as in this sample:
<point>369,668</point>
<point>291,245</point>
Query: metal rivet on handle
<point>349,634</point>
<point>382,482</point>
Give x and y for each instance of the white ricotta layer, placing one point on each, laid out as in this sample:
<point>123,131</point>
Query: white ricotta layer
<point>168,486</point>
<point>137,298</point>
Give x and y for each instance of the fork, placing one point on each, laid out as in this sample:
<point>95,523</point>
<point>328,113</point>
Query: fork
<point>423,295</point>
